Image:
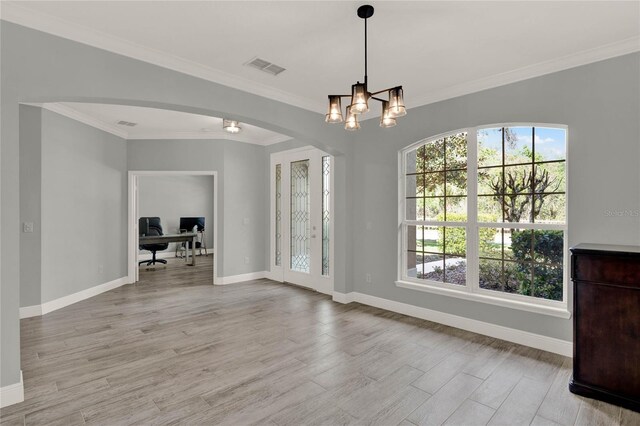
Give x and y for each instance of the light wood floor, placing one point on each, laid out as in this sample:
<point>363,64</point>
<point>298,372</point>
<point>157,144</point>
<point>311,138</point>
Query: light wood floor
<point>175,349</point>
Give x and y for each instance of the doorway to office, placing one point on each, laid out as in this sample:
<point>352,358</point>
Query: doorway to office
<point>139,181</point>
<point>301,218</point>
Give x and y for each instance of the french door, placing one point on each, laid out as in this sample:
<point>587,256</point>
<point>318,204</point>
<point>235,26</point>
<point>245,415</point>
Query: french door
<point>301,218</point>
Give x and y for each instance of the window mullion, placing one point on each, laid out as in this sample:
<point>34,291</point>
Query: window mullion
<point>472,210</point>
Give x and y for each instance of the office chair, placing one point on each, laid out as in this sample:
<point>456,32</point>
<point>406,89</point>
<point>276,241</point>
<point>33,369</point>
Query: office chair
<point>187,224</point>
<point>152,226</point>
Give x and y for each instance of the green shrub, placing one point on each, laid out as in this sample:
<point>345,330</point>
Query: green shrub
<point>547,255</point>
<point>455,238</point>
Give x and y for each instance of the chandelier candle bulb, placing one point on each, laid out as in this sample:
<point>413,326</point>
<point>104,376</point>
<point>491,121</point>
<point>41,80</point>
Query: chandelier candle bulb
<point>359,98</point>
<point>334,114</point>
<point>396,103</point>
<point>385,119</point>
<point>351,122</point>
<point>360,94</point>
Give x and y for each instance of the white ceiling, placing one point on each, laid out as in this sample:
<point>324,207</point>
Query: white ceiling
<point>152,123</point>
<point>435,49</point>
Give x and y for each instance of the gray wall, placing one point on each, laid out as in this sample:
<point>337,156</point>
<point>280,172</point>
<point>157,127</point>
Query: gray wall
<point>599,103</point>
<point>173,197</point>
<point>84,206</point>
<point>31,204</point>
<point>241,173</point>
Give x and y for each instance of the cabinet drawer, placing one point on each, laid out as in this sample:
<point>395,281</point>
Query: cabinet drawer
<point>606,269</point>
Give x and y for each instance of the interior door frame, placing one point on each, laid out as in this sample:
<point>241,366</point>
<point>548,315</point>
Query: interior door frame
<point>321,283</point>
<point>132,256</point>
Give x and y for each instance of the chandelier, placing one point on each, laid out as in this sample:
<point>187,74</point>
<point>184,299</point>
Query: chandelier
<point>392,107</point>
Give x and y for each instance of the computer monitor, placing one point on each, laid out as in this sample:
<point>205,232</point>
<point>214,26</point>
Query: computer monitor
<point>189,222</point>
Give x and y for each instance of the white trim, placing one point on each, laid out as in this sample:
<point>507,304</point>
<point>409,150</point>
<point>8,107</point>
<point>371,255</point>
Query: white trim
<point>343,298</point>
<point>87,119</point>
<point>559,311</point>
<point>89,36</point>
<point>61,302</point>
<point>12,394</point>
<point>538,341</point>
<point>30,311</point>
<point>232,279</point>
<point>54,305</point>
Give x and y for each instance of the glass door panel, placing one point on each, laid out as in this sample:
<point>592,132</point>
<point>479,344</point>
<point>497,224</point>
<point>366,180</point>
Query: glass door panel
<point>300,253</point>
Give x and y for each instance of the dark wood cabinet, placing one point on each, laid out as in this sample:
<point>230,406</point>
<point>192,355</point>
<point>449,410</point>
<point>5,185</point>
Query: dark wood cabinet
<point>606,323</point>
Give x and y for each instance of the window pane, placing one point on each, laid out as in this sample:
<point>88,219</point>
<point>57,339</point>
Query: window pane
<point>452,240</point>
<point>518,146</point>
<point>491,242</point>
<point>548,282</point>
<point>550,177</point>
<point>490,181</point>
<point>434,184</point>
<point>430,239</point>
<point>434,208</point>
<point>490,276</point>
<point>517,179</point>
<point>278,236</point>
<point>550,144</point>
<point>455,271</point>
<point>489,147</point>
<point>517,208</point>
<point>548,246</point>
<point>300,260</point>
<point>433,155</point>
<point>489,208</point>
<point>456,209</point>
<point>326,212</point>
<point>550,208</point>
<point>432,268</point>
<point>456,151</point>
<point>456,182</point>
<point>518,244</point>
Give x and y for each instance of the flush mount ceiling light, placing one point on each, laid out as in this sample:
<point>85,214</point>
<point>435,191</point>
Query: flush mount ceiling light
<point>392,108</point>
<point>231,126</point>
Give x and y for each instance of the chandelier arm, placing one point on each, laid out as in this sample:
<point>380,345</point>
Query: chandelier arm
<point>341,96</point>
<point>385,90</point>
<point>378,99</point>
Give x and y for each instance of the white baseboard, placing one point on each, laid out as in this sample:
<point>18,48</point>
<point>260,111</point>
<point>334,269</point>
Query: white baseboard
<point>12,394</point>
<point>526,338</point>
<point>30,311</point>
<point>53,305</point>
<point>232,279</point>
<point>343,298</point>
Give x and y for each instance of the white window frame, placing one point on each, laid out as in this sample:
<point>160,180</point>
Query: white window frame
<point>472,290</point>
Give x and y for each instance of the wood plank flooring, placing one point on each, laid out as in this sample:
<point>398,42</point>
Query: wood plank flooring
<point>175,349</point>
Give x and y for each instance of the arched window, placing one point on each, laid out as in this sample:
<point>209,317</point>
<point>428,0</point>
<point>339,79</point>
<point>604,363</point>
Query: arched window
<point>483,216</point>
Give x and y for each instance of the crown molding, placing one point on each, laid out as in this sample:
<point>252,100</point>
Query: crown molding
<point>11,12</point>
<point>573,60</point>
<point>138,135</point>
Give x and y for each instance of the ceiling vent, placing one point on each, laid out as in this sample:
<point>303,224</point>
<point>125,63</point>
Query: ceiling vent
<point>265,66</point>
<point>127,123</point>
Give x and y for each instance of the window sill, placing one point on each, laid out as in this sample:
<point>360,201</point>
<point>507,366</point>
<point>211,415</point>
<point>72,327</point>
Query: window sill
<point>560,312</point>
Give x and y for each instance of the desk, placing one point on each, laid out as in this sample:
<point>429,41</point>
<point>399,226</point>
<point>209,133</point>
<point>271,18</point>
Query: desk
<point>173,238</point>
